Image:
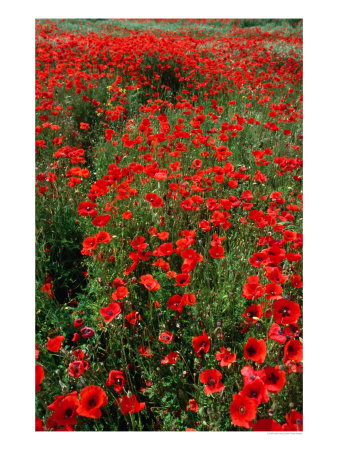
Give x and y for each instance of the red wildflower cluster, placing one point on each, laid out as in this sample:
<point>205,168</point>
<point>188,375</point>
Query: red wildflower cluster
<point>169,225</point>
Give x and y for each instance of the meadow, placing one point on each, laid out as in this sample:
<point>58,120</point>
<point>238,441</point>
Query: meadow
<point>169,225</point>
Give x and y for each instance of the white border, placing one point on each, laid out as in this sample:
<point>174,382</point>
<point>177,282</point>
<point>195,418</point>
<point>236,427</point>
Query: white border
<point>17,218</point>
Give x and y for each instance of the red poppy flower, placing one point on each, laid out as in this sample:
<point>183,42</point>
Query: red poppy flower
<point>255,350</point>
<point>275,254</point>
<point>54,344</point>
<point>101,221</point>
<point>204,225</point>
<point>38,424</point>
<point>293,350</point>
<point>189,299</point>
<point>182,279</point>
<point>103,237</point>
<point>286,311</point>
<point>197,120</point>
<point>127,215</point>
<point>201,344</point>
<point>289,236</point>
<point>78,353</point>
<point>163,235</point>
<point>249,374</point>
<point>225,357</point>
<point>189,264</point>
<point>78,323</point>
<point>293,257</point>
<point>116,379</point>
<point>130,405</point>
<point>217,252</point>
<point>139,243</point>
<point>92,399</point>
<point>65,409</point>
<point>253,313</point>
<point>87,332</point>
<point>296,281</point>
<point>256,390</point>
<point>273,377</point>
<point>109,134</point>
<point>150,283</point>
<point>171,274</point>
<point>89,243</point>
<point>84,173</point>
<point>275,274</point>
<point>257,259</point>
<point>175,302</point>
<point>76,337</point>
<point>171,358</point>
<point>267,425</point>
<point>145,351</point>
<point>233,183</point>
<point>133,317</point>
<point>273,291</point>
<point>212,380</point>
<point>77,368</point>
<point>277,334</point>
<point>87,209</point>
<point>193,406</point>
<point>118,282</point>
<point>155,200</point>
<point>110,312</point>
<point>243,411</point>
<point>39,374</point>
<point>120,293</point>
<point>166,337</point>
<point>52,425</point>
<point>252,289</point>
<point>164,249</point>
<point>294,421</point>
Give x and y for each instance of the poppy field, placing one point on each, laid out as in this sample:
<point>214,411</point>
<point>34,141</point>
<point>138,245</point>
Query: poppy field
<point>168,225</point>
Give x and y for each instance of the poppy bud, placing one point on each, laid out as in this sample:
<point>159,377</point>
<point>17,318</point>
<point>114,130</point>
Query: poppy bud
<point>78,323</point>
<point>76,337</point>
